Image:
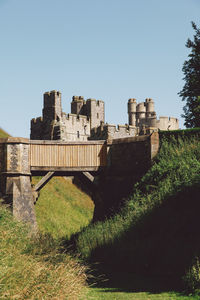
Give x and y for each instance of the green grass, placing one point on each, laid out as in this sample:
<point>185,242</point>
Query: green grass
<point>157,232</point>
<point>116,294</point>
<point>3,134</point>
<point>143,251</point>
<point>62,209</point>
<point>33,267</point>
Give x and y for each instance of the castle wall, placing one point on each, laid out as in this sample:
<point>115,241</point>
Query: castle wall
<point>70,128</point>
<point>41,129</point>
<point>87,120</point>
<point>36,128</point>
<point>52,106</point>
<point>108,132</point>
<point>95,111</point>
<point>140,112</point>
<point>74,128</point>
<point>132,111</point>
<point>78,106</point>
<point>165,123</point>
<point>146,116</point>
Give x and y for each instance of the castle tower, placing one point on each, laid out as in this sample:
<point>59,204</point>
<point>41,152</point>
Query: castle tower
<point>95,111</point>
<point>78,105</point>
<point>52,106</point>
<point>132,111</point>
<point>140,113</point>
<point>149,103</point>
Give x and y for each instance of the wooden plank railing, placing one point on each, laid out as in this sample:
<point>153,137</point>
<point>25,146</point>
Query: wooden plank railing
<point>47,155</point>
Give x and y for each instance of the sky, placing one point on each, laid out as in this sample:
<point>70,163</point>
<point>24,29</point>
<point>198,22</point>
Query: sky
<point>111,50</point>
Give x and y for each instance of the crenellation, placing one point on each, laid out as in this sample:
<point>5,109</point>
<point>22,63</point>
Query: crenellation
<point>87,120</point>
<point>143,114</point>
<point>109,131</point>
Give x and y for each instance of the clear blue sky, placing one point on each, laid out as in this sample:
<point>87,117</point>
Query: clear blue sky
<point>105,49</point>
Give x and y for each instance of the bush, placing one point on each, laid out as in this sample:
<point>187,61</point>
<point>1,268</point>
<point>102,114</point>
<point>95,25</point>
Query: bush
<point>192,277</point>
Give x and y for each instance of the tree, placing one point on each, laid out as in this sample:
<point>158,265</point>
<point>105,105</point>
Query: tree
<point>191,90</point>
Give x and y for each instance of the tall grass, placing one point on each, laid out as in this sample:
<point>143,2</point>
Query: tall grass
<point>33,268</point>
<point>148,233</point>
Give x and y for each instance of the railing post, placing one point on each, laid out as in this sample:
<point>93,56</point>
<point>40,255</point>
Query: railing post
<point>15,179</point>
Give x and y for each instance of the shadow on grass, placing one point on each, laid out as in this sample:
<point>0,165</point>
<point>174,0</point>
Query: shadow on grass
<point>153,255</point>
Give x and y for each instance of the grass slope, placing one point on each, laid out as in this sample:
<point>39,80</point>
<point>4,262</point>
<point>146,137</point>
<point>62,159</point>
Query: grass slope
<point>33,268</point>
<point>62,209</point>
<point>157,232</point>
<point>144,250</point>
<point>3,134</point>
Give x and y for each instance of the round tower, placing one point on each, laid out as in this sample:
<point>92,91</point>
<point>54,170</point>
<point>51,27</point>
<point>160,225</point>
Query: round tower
<point>149,103</point>
<point>132,111</point>
<point>140,112</point>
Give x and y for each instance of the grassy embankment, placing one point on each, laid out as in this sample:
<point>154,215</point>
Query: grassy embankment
<point>3,134</point>
<point>35,268</point>
<point>62,209</point>
<point>156,234</point>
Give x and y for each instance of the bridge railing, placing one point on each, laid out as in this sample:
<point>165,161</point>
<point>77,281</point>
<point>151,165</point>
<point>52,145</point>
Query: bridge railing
<point>52,155</point>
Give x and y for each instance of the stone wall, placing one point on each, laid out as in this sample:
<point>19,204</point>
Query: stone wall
<point>128,160</point>
<point>92,108</point>
<point>143,114</point>
<point>56,125</point>
<point>15,182</point>
<point>126,154</point>
<point>95,111</point>
<point>108,132</point>
<point>165,123</point>
<point>74,127</point>
<point>87,120</point>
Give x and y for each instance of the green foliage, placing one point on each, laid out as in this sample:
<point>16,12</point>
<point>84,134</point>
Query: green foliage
<point>181,133</point>
<point>191,90</point>
<point>33,268</point>
<point>192,277</point>
<point>154,232</point>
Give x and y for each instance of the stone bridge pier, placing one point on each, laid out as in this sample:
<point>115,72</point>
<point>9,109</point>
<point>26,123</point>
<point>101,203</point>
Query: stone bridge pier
<point>15,179</point>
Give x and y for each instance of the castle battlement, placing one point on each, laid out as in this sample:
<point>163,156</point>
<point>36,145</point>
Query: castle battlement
<point>86,120</point>
<point>143,114</point>
<point>169,119</point>
<point>35,120</point>
<point>110,131</point>
<point>75,117</point>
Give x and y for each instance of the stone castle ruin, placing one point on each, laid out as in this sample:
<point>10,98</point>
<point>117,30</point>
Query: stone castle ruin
<point>87,120</point>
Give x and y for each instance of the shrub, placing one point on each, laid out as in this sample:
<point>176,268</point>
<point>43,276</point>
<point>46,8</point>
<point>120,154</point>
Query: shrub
<point>192,277</point>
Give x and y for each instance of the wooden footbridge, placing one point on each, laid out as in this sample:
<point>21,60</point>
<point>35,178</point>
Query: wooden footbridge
<point>70,156</point>
<point>22,158</point>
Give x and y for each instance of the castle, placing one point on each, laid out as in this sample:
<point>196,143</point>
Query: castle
<point>87,120</point>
